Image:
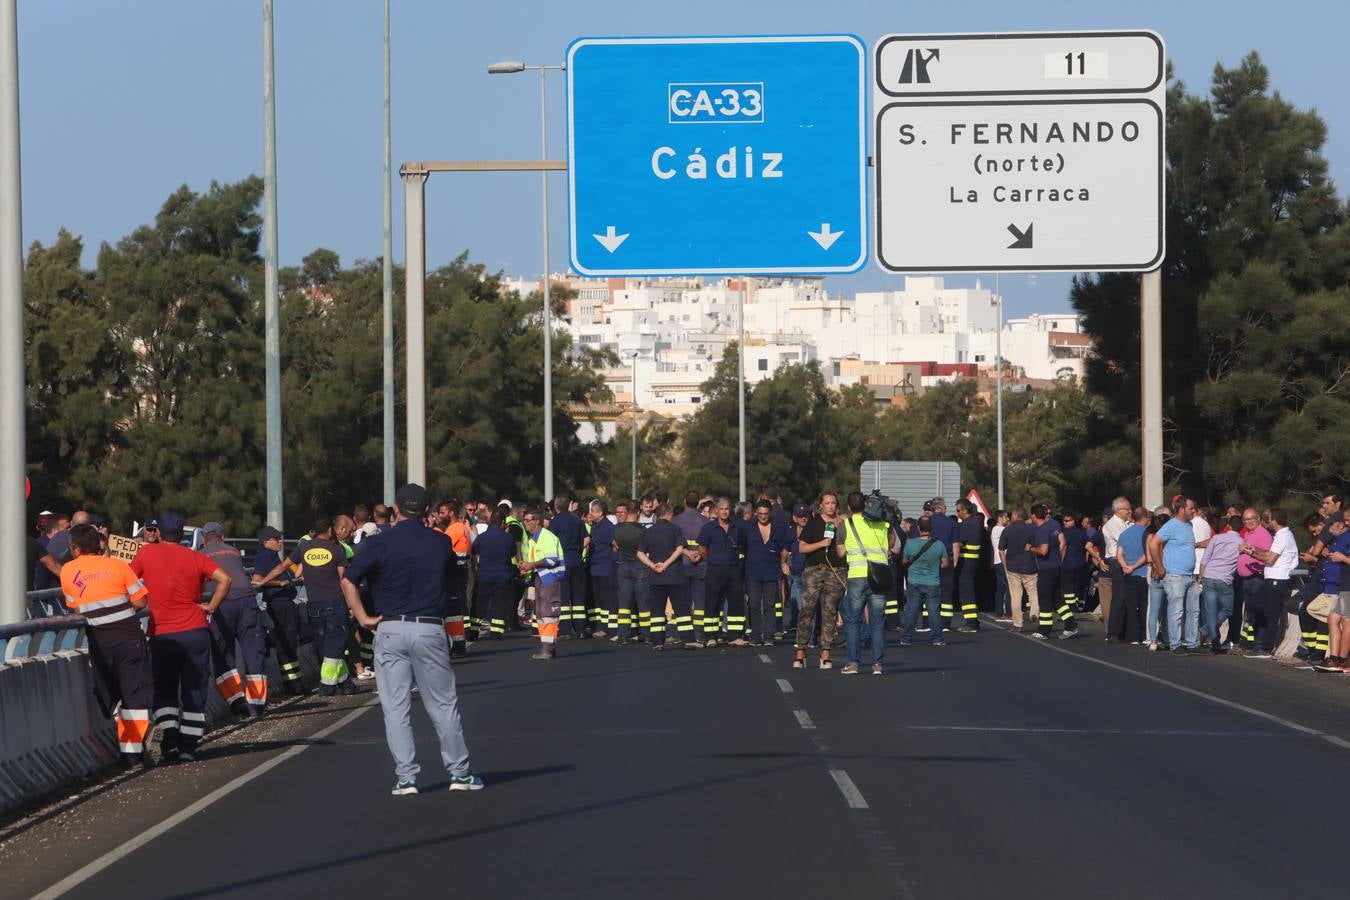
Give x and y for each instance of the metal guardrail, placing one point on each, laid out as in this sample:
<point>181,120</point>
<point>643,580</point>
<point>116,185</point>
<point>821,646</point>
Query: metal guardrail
<point>53,631</point>
<point>41,636</point>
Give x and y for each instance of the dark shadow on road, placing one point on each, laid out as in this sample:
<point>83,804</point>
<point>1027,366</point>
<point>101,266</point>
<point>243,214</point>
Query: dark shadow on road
<point>350,858</point>
<point>607,673</point>
<point>492,779</point>
<point>226,751</point>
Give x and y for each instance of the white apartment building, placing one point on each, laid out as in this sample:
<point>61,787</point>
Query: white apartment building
<point>673,331</point>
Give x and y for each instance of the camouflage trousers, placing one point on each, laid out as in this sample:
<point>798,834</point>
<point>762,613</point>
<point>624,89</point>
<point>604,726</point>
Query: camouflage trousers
<point>823,587</point>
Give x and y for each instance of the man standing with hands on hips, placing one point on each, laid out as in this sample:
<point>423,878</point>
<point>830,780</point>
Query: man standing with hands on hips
<point>408,569</point>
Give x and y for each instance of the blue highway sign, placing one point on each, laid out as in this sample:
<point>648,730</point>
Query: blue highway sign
<point>710,156</point>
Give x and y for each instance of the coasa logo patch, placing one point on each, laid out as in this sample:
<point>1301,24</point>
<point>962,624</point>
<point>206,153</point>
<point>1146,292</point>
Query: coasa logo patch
<point>318,556</point>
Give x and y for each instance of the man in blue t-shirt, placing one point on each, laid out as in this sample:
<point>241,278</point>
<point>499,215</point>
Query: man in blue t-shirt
<point>925,558</point>
<point>1176,553</point>
<point>1132,556</point>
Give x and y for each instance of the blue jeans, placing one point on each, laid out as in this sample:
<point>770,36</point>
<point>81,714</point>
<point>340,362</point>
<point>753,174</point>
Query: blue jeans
<point>858,595</point>
<point>795,586</point>
<point>1217,604</point>
<point>1183,610</point>
<point>918,596</point>
<point>1002,600</point>
<point>1157,605</point>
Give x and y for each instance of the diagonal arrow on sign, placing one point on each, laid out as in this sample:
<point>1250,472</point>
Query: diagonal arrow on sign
<point>609,240</point>
<point>1023,241</point>
<point>825,237</point>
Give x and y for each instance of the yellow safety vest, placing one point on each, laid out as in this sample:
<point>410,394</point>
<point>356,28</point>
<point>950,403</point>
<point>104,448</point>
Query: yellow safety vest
<point>873,547</point>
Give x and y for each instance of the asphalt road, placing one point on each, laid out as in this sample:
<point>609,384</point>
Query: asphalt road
<point>996,765</point>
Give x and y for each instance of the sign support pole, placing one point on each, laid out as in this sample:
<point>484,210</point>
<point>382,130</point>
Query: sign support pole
<point>998,386</point>
<point>1150,406</point>
<point>415,275</point>
<point>387,337</point>
<point>740,384</point>
<point>271,301</point>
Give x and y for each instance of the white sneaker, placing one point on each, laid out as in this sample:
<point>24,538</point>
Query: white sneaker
<point>876,668</point>
<point>1153,645</point>
<point>367,675</point>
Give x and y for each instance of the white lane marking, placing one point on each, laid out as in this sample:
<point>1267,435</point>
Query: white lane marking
<point>804,720</point>
<point>1144,732</point>
<point>764,658</point>
<point>852,795</point>
<point>84,873</point>
<point>1260,714</point>
<point>784,685</point>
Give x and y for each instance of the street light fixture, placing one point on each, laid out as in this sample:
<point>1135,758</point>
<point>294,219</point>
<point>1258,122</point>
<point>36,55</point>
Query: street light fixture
<point>510,67</point>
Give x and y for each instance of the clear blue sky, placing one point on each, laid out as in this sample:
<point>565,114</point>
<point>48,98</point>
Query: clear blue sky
<point>125,100</point>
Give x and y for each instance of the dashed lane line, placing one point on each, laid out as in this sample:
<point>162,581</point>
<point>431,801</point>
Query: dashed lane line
<point>852,796</point>
<point>784,685</point>
<point>765,658</point>
<point>804,720</point>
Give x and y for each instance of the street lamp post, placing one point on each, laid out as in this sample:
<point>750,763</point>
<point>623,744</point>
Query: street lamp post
<point>510,67</point>
<point>633,369</point>
<point>12,453</point>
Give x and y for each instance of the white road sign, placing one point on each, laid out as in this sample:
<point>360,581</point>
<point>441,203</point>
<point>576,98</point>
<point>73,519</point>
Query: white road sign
<point>1019,152</point>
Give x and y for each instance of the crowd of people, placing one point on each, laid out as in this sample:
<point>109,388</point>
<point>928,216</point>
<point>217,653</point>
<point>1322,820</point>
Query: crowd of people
<point>825,576</point>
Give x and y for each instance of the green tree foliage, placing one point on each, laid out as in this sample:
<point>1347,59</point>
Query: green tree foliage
<point>77,373</point>
<point>146,375</point>
<point>1256,300</point>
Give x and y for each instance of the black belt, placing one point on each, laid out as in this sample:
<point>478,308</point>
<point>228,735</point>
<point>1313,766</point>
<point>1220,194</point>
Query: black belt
<point>421,620</point>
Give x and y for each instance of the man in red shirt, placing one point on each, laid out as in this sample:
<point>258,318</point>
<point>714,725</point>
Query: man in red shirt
<point>180,644</point>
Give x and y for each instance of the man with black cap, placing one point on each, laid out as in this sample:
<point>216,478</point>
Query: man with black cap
<point>322,560</point>
<point>278,596</point>
<point>236,621</point>
<point>180,643</point>
<point>409,569</point>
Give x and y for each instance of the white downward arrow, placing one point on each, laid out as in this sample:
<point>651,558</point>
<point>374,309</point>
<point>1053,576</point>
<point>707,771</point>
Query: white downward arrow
<point>611,241</point>
<point>825,237</point>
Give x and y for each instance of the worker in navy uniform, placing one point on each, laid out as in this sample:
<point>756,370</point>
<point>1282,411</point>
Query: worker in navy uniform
<point>571,533</point>
<point>722,546</point>
<point>945,529</point>
<point>661,550</point>
<point>409,569</point>
<point>236,623</point>
<point>689,523</point>
<point>970,536</point>
<point>323,561</point>
<point>279,601</point>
